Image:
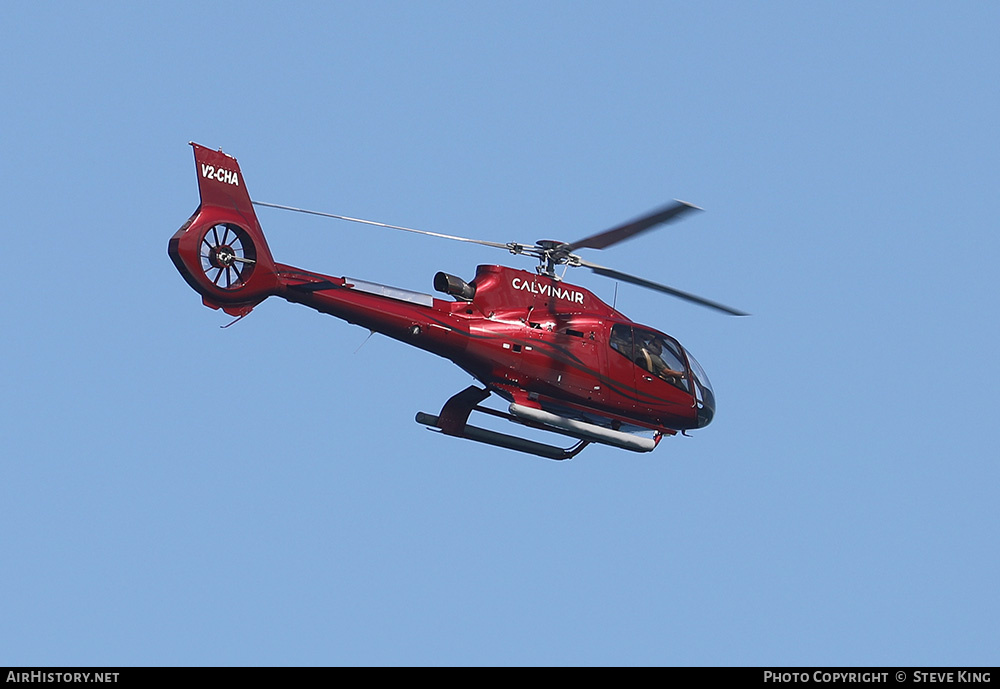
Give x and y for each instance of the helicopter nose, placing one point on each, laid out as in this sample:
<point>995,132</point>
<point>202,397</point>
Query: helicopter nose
<point>705,414</point>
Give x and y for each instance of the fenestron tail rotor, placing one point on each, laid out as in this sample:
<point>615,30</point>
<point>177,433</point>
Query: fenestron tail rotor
<point>551,253</point>
<point>227,255</point>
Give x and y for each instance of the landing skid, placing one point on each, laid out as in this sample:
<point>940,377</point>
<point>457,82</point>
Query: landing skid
<point>454,418</point>
<point>454,421</point>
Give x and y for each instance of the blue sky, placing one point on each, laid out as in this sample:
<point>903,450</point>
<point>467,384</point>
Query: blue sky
<point>175,493</point>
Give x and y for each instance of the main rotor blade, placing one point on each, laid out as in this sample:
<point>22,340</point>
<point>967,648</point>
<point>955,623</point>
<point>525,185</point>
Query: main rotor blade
<point>642,282</point>
<point>496,245</point>
<point>602,240</point>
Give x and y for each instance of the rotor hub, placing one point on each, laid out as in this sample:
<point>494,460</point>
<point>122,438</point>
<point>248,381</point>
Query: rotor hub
<point>550,253</point>
<point>222,256</point>
<point>549,244</point>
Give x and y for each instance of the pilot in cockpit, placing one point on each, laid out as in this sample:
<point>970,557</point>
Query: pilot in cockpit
<point>652,360</point>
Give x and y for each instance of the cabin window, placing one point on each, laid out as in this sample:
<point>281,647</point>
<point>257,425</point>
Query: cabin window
<point>621,341</point>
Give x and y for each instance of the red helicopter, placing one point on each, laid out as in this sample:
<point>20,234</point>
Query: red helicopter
<point>564,360</point>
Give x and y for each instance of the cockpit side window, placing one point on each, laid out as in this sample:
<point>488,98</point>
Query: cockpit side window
<point>661,356</point>
<point>653,352</point>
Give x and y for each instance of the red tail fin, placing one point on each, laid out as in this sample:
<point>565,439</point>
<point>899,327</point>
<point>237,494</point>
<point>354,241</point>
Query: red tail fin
<point>220,182</point>
<point>221,250</point>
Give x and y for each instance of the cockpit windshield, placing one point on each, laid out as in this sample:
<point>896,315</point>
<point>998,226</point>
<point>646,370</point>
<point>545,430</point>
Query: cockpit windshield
<point>702,392</point>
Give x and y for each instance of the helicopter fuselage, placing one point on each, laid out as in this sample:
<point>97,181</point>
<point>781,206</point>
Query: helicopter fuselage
<point>552,349</point>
